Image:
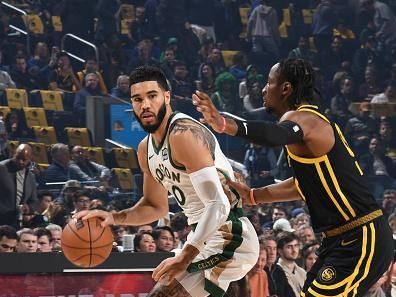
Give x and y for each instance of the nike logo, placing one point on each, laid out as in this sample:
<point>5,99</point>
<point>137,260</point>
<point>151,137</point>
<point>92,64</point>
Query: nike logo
<point>345,243</point>
<point>151,156</point>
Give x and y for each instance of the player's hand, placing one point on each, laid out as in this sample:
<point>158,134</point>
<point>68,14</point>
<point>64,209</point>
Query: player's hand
<point>168,269</point>
<point>242,189</point>
<point>210,113</point>
<point>106,217</point>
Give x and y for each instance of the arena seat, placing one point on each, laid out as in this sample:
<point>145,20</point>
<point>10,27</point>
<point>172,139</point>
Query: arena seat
<point>228,56</point>
<point>125,158</point>
<point>16,98</point>
<point>57,23</point>
<point>11,146</point>
<point>34,22</point>
<point>4,110</point>
<point>52,100</point>
<point>40,152</point>
<point>78,136</point>
<point>35,116</point>
<point>124,178</point>
<point>45,134</point>
<point>95,154</point>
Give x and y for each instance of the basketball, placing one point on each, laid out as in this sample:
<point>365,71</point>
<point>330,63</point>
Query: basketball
<point>86,243</point>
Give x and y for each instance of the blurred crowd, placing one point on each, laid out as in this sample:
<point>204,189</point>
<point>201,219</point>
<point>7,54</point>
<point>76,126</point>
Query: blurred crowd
<point>224,48</point>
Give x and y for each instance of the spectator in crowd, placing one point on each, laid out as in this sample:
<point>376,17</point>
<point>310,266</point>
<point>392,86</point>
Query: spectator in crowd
<point>226,96</point>
<point>342,100</point>
<point>92,170</point>
<point>8,239</point>
<point>227,21</point>
<point>164,238</point>
<point>253,101</point>
<point>139,27</point>
<point>364,56</point>
<point>278,283</point>
<point>288,249</point>
<point>306,234</point>
<point>81,200</point>
<point>144,228</point>
<point>14,127</point>
<point>41,57</point>
<point>206,79</point>
<point>257,277</point>
<point>144,56</point>
<point>215,58</point>
<point>91,88</point>
<point>180,226</point>
<point>6,81</point>
<point>60,170</point>
<point>23,78</point>
<point>44,239</point>
<point>360,128</point>
<point>238,67</point>
<point>27,241</point>
<point>65,199</point>
<point>334,58</point>
<point>324,21</point>
<point>377,164</point>
<point>144,242</point>
<point>384,20</point>
<point>43,209</point>
<point>122,89</point>
<point>387,137</point>
<point>389,201</point>
<point>17,186</point>
<point>106,24</point>
<point>370,87</point>
<point>309,256</point>
<point>201,13</point>
<point>263,30</point>
<point>181,84</point>
<point>56,233</point>
<point>168,63</point>
<point>282,225</point>
<point>91,66</point>
<point>118,233</point>
<point>389,94</point>
<point>62,78</point>
<point>251,71</point>
<point>302,51</point>
<point>261,164</point>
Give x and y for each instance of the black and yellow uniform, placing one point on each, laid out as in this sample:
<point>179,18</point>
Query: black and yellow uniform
<point>357,247</point>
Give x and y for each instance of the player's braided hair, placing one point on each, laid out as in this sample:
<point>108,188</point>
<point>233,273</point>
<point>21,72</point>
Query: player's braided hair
<point>300,74</point>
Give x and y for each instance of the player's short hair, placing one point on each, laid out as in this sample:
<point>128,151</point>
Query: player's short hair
<point>149,73</point>
<point>300,74</point>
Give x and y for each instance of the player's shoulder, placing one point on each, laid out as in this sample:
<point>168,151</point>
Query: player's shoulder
<point>142,147</point>
<point>185,127</point>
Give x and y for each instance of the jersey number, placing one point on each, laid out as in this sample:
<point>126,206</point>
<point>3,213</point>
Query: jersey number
<point>179,195</point>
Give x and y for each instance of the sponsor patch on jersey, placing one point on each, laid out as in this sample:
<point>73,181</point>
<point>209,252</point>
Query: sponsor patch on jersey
<point>164,154</point>
<point>327,274</point>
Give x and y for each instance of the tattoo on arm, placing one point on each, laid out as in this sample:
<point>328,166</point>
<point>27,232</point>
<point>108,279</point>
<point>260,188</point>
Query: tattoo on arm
<point>199,132</point>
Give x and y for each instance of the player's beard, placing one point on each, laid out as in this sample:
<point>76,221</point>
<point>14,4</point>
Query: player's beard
<point>153,127</point>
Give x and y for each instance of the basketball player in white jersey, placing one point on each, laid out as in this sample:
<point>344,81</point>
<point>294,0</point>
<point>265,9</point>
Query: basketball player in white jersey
<point>183,157</point>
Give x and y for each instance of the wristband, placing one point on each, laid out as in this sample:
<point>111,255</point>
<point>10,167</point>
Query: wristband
<point>252,200</point>
<point>224,125</point>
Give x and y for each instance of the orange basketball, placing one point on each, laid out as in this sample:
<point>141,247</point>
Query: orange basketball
<point>86,243</point>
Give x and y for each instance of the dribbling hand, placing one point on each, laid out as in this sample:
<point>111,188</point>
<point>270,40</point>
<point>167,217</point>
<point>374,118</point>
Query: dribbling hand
<point>209,111</point>
<point>106,217</point>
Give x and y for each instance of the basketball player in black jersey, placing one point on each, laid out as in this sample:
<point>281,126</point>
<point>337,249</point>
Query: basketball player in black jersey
<point>357,245</point>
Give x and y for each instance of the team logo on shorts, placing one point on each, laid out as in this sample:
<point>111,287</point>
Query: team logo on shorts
<point>327,274</point>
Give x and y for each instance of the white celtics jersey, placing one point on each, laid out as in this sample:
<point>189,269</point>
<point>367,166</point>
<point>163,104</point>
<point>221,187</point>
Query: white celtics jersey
<point>175,178</point>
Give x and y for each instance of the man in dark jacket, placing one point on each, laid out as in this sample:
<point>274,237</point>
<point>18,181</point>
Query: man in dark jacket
<point>17,186</point>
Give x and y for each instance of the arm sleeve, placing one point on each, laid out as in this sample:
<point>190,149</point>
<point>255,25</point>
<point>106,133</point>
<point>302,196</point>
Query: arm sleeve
<point>270,134</point>
<point>208,187</point>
